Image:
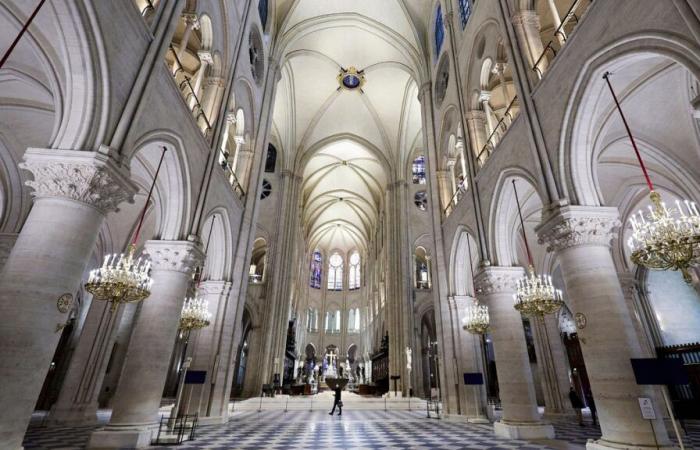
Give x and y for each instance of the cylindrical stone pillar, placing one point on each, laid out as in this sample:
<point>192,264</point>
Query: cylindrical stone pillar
<point>581,237</point>
<point>73,190</point>
<point>527,28</point>
<point>495,287</point>
<point>137,399</point>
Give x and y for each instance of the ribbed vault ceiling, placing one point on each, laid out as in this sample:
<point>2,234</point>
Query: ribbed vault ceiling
<point>344,181</point>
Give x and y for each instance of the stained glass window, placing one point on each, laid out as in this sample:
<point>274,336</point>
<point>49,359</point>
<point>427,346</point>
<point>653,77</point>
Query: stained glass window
<point>316,270</point>
<point>465,10</point>
<point>262,11</point>
<point>419,170</point>
<point>439,30</point>
<point>271,159</point>
<point>335,272</point>
<point>354,275</point>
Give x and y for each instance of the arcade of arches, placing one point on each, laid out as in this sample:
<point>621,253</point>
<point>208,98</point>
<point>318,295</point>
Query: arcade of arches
<point>339,183</point>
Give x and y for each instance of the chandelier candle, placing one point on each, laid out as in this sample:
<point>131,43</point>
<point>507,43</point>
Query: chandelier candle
<point>663,238</point>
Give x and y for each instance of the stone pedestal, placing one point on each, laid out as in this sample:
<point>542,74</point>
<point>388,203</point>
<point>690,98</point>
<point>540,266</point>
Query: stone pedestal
<point>73,190</point>
<point>495,287</point>
<point>581,237</point>
<point>137,399</point>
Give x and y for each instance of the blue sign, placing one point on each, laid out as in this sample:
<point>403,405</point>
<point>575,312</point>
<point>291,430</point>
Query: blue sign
<point>195,376</point>
<point>659,371</point>
<point>473,379</point>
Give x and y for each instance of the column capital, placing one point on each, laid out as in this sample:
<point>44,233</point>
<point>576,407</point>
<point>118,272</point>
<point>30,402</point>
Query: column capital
<point>424,90</point>
<point>484,96</point>
<point>191,20</point>
<point>573,226</point>
<point>205,57</point>
<point>174,256</point>
<point>497,280</point>
<point>93,178</point>
<point>499,68</point>
<point>231,117</point>
<point>527,18</point>
<point>215,287</point>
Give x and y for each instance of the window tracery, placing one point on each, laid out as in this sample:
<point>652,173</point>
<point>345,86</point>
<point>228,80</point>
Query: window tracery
<point>335,272</point>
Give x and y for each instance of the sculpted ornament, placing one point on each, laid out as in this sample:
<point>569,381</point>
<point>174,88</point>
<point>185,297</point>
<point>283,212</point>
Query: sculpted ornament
<point>176,256</point>
<point>570,229</point>
<point>85,177</point>
<point>497,280</point>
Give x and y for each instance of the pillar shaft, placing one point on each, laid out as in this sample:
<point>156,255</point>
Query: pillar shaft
<point>527,29</point>
<point>137,399</point>
<point>73,190</point>
<point>581,237</point>
<point>495,287</point>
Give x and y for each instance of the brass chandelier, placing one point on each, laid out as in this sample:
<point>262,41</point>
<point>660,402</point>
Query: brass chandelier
<point>663,238</point>
<point>535,294</point>
<point>476,319</point>
<point>121,278</point>
<point>195,314</point>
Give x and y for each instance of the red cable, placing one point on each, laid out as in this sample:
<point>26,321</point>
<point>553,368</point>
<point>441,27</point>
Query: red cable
<point>606,77</point>
<point>148,199</point>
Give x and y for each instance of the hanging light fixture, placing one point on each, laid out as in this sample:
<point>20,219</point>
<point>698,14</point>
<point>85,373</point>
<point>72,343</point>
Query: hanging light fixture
<point>195,312</point>
<point>535,294</point>
<point>476,319</point>
<point>121,278</point>
<point>663,238</point>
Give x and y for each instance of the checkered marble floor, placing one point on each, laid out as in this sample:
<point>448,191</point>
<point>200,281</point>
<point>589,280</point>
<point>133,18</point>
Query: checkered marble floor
<point>354,430</point>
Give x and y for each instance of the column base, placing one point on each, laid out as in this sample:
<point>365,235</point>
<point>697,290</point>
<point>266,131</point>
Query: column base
<point>112,437</point>
<point>72,417</point>
<point>523,430</point>
<point>483,420</point>
<point>602,444</point>
<point>213,420</point>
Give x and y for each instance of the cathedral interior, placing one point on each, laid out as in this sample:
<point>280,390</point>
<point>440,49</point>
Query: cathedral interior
<point>467,223</point>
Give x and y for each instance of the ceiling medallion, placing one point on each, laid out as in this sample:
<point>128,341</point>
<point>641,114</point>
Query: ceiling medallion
<point>351,78</point>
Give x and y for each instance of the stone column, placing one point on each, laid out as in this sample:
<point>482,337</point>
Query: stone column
<point>7,241</point>
<point>484,98</point>
<point>137,399</point>
<point>73,190</point>
<point>527,28</point>
<point>476,121</point>
<point>556,20</point>
<point>211,98</point>
<point>552,364</point>
<point>495,287</point>
<point>77,401</point>
<point>459,145</point>
<point>205,59</point>
<point>196,397</point>
<point>443,188</point>
<point>191,23</point>
<point>469,360</point>
<point>581,237</point>
<point>499,69</point>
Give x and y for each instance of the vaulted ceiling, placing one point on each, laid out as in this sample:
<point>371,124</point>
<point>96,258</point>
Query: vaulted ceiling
<point>348,143</point>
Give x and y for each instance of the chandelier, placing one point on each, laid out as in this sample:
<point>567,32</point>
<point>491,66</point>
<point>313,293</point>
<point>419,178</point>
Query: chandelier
<point>662,238</point>
<point>535,294</point>
<point>121,279</point>
<point>195,314</point>
<point>476,319</point>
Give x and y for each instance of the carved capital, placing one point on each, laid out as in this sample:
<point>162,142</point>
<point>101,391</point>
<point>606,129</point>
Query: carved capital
<point>215,288</point>
<point>205,57</point>
<point>93,178</point>
<point>573,226</point>
<point>497,280</point>
<point>527,19</point>
<point>175,256</point>
<point>191,20</point>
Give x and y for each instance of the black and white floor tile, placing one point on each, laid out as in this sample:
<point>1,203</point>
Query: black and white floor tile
<point>318,430</point>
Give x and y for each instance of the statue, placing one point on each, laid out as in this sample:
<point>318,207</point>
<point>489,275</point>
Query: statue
<point>409,358</point>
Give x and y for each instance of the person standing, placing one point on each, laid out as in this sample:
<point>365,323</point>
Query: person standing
<point>576,404</point>
<point>337,402</point>
<point>591,405</point>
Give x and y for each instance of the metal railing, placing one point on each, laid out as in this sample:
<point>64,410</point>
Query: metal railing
<point>570,19</point>
<point>456,197</point>
<point>176,430</point>
<point>186,85</point>
<point>498,131</point>
<point>231,176</point>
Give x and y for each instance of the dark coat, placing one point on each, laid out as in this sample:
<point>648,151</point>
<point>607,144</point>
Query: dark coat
<point>576,402</point>
<point>337,394</point>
